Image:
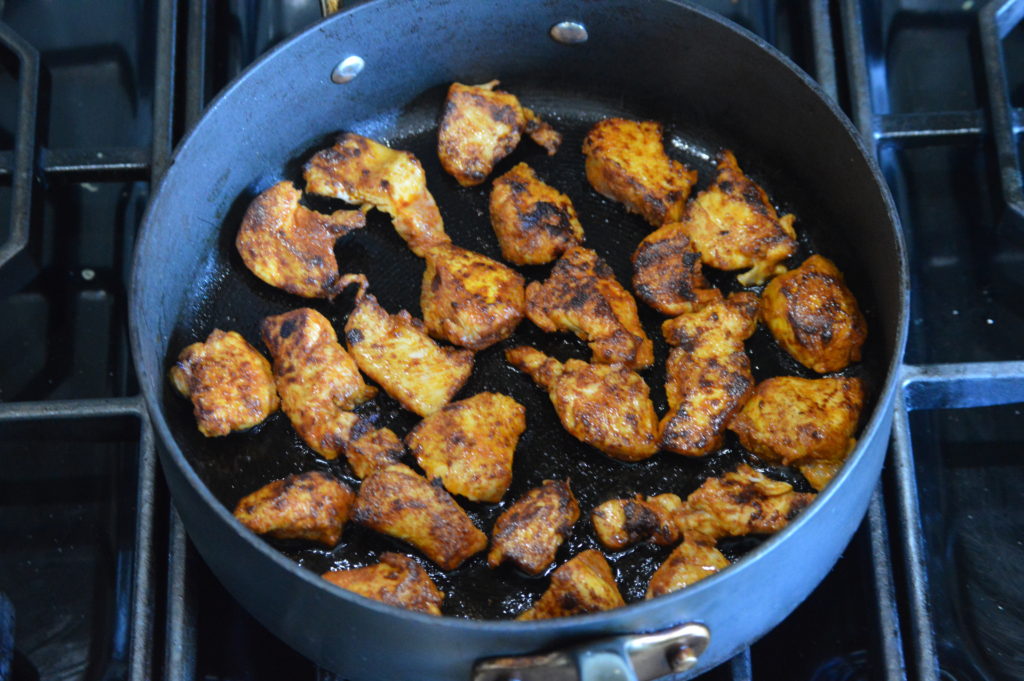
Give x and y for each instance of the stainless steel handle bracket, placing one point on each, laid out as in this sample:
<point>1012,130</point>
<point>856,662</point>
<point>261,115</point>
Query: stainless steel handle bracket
<point>632,657</point>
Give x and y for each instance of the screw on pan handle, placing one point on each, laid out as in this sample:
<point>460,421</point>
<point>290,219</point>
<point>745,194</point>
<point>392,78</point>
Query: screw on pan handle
<point>634,657</point>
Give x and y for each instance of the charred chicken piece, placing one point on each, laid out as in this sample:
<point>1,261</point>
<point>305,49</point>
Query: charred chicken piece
<point>607,406</point>
<point>626,162</point>
<point>469,445</point>
<point>695,558</point>
<point>468,299</point>
<point>396,352</point>
<point>735,226</point>
<point>398,502</point>
<point>312,506</point>
<point>534,222</point>
<point>228,381</point>
<point>814,316</point>
<point>361,171</point>
<point>481,126</point>
<point>583,296</point>
<point>619,523</point>
<point>582,585</point>
<point>372,449</point>
<point>707,375</point>
<point>395,580</point>
<point>291,247</point>
<point>667,272</point>
<point>530,531</point>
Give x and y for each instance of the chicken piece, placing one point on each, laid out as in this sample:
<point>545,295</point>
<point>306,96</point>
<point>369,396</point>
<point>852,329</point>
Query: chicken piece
<point>312,506</point>
<point>468,299</point>
<point>372,449</point>
<point>707,376</point>
<point>626,162</point>
<point>530,531</point>
<point>582,585</point>
<point>607,406</point>
<point>735,226</point>
<point>395,580</point>
<point>469,445</point>
<point>228,381</point>
<point>820,472</point>
<point>398,502</point>
<point>534,222</point>
<point>693,560</point>
<point>481,126</point>
<point>291,247</point>
<point>814,316</point>
<point>361,171</point>
<point>582,296</point>
<point>667,273</point>
<point>623,522</point>
<point>396,352</point>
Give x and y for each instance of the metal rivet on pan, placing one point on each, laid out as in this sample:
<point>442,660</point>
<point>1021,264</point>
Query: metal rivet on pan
<point>569,33</point>
<point>348,69</point>
<point>681,658</point>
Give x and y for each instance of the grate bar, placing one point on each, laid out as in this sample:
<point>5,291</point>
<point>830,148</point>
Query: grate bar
<point>130,161</point>
<point>889,636</point>
<point>824,49</point>
<point>960,386</point>
<point>141,653</point>
<point>180,654</point>
<point>72,409</point>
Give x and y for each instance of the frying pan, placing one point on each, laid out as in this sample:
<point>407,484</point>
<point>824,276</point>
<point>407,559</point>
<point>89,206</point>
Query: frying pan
<point>714,86</point>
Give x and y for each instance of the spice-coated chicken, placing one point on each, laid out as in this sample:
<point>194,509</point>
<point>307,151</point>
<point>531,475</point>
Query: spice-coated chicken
<point>583,296</point>
<point>312,506</point>
<point>626,162</point>
<point>361,171</point>
<point>619,523</point>
<point>292,247</point>
<point>607,406</point>
<point>667,272</point>
<point>396,580</point>
<point>582,585</point>
<point>534,222</point>
<point>469,445</point>
<point>695,558</point>
<point>228,381</point>
<point>480,126</point>
<point>530,531</point>
<point>400,503</point>
<point>814,316</point>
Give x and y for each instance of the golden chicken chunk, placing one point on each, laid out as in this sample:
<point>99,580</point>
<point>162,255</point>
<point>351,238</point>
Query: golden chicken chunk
<point>400,503</point>
<point>361,171</point>
<point>583,296</point>
<point>582,585</point>
<point>695,558</point>
<point>707,375</point>
<point>626,162</point>
<point>482,125</point>
<point>619,523</point>
<point>396,352</point>
<point>734,226</point>
<point>530,531</point>
<point>607,406</point>
<point>395,580</point>
<point>372,449</point>
<point>291,247</point>
<point>534,222</point>
<point>228,381</point>
<point>667,272</point>
<point>469,445</point>
<point>312,506</point>
<point>469,299</point>
<point>814,316</point>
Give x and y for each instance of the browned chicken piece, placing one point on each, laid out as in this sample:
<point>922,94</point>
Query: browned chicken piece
<point>626,162</point>
<point>707,375</point>
<point>735,226</point>
<point>820,472</point>
<point>361,171</point>
<point>312,506</point>
<point>400,503</point>
<point>667,272</point>
<point>396,352</point>
<point>481,126</point>
<point>583,296</point>
<point>291,247</point>
<point>469,299</point>
<point>582,585</point>
<point>814,316</point>
<point>535,223</point>
<point>469,445</point>
<point>607,406</point>
<point>530,531</point>
<point>372,450</point>
<point>228,381</point>
<point>696,558</point>
<point>395,580</point>
<point>619,523</point>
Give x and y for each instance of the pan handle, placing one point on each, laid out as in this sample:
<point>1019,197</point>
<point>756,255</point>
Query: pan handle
<point>633,657</point>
